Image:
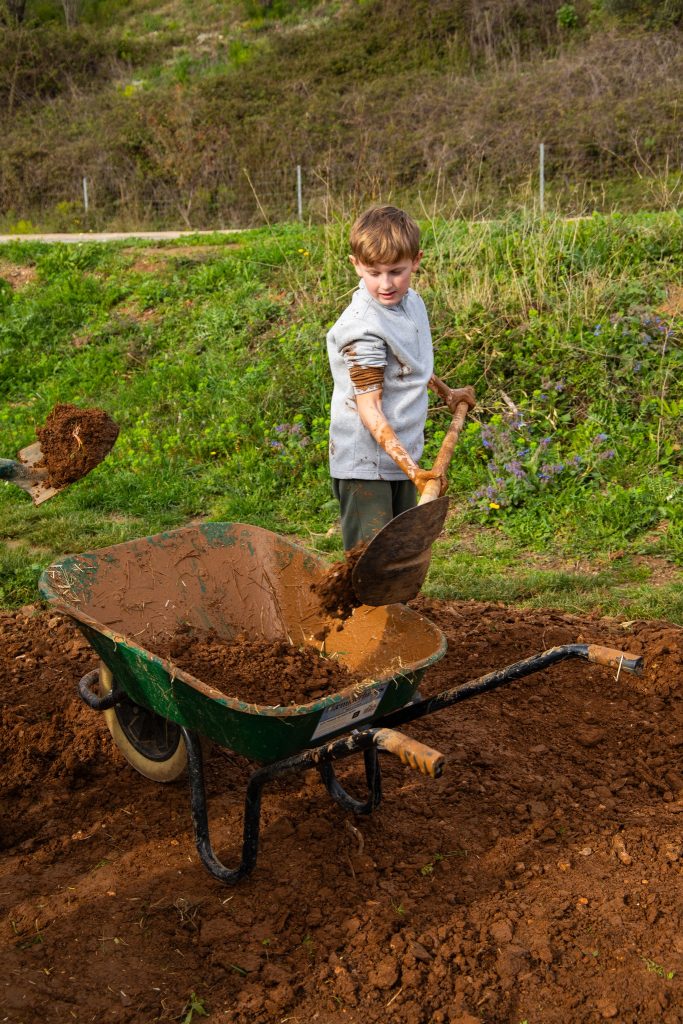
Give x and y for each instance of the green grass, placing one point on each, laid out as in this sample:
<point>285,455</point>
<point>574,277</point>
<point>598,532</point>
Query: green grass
<point>210,355</point>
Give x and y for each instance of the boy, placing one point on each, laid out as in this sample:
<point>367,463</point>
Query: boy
<point>382,363</point>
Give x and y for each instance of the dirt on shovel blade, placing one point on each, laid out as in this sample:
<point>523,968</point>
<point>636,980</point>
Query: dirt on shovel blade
<point>335,588</point>
<point>73,441</point>
<point>264,672</point>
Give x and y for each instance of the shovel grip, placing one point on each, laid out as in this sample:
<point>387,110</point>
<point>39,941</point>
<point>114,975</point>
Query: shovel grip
<point>443,459</point>
<point>411,752</point>
<point>8,469</point>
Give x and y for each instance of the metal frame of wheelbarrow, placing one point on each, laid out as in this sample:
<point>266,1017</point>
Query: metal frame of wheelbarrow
<point>381,735</point>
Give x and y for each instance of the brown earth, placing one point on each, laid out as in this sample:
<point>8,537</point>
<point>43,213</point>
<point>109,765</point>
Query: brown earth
<point>539,880</point>
<point>335,587</point>
<point>268,672</point>
<point>18,277</point>
<point>73,441</point>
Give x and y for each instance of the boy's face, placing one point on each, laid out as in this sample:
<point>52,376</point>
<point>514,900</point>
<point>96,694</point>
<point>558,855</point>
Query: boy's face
<point>387,282</point>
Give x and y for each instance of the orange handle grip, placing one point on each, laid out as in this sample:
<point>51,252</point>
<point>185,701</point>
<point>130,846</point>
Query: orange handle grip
<point>411,752</point>
<point>615,659</point>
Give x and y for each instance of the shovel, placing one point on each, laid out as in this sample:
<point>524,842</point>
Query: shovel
<point>394,565</point>
<point>25,475</point>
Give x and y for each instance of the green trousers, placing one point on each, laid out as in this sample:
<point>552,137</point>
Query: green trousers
<point>368,505</point>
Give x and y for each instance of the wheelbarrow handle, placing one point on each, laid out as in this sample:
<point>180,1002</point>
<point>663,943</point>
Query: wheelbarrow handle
<point>443,459</point>
<point>610,658</point>
<point>411,752</point>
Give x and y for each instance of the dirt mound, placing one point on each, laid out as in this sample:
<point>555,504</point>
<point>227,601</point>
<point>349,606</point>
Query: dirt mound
<point>73,441</point>
<point>540,879</point>
<point>267,672</point>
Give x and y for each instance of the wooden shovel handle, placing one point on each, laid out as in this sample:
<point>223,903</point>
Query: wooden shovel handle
<point>443,459</point>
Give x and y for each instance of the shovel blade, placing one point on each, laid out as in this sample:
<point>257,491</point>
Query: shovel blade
<point>395,563</point>
<point>33,481</point>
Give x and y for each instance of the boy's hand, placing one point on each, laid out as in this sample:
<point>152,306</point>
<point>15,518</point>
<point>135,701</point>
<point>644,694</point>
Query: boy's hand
<point>421,478</point>
<point>452,396</point>
<point>458,395</point>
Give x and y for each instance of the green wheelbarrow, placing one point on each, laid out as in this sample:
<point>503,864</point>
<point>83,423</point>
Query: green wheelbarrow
<point>237,579</point>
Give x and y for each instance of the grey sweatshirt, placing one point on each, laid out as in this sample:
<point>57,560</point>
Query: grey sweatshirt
<point>368,334</point>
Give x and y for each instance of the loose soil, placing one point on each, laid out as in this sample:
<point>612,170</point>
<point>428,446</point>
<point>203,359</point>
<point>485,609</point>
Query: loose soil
<point>265,672</point>
<point>73,441</point>
<point>335,588</point>
<point>540,879</point>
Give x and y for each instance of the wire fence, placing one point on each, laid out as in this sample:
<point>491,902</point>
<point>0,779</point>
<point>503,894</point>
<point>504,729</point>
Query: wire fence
<point>99,200</point>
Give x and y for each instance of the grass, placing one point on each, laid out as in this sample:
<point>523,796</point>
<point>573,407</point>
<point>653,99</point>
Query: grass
<point>209,353</point>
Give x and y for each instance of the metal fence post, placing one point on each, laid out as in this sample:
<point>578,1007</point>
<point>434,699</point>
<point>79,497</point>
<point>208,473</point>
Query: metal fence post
<point>85,195</point>
<point>299,195</point>
<point>541,176</point>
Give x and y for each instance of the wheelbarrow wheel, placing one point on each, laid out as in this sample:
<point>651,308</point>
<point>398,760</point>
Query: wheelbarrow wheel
<point>150,743</point>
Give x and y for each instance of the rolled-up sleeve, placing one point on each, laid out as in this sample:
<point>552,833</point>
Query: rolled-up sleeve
<point>365,357</point>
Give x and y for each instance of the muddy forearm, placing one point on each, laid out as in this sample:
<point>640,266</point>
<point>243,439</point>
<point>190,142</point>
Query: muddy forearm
<point>374,420</point>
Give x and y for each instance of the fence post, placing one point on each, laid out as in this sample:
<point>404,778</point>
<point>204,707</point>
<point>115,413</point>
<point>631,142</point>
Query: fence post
<point>85,195</point>
<point>299,195</point>
<point>541,177</point>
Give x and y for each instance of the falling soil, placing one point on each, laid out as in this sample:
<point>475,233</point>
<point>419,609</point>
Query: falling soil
<point>266,672</point>
<point>540,879</point>
<point>73,441</point>
<point>335,588</point>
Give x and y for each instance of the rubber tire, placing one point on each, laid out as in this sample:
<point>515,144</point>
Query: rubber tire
<point>168,768</point>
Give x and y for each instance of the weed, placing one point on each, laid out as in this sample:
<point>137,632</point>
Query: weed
<point>194,1007</point>
<point>428,869</point>
<point>657,969</point>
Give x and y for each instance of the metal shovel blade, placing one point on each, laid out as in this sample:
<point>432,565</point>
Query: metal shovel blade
<point>25,474</point>
<point>394,565</point>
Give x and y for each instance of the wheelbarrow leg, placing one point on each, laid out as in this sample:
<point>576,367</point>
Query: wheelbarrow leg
<point>200,818</point>
<point>345,800</point>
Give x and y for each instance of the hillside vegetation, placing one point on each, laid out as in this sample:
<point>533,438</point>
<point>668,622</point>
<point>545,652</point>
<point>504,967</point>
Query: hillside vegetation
<point>567,483</point>
<point>197,114</point>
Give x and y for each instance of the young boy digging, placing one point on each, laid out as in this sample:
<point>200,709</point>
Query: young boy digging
<point>382,363</point>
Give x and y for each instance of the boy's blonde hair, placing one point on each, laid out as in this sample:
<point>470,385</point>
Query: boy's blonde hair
<point>384,234</point>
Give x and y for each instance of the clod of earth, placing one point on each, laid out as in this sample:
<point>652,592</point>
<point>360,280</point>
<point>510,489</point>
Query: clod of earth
<point>73,441</point>
<point>335,588</point>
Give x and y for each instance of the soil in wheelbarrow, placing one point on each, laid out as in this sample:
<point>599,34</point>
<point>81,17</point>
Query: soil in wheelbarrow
<point>73,441</point>
<point>540,879</point>
<point>264,672</point>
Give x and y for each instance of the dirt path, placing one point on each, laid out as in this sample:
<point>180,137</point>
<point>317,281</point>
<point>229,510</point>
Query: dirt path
<point>115,236</point>
<point>539,880</point>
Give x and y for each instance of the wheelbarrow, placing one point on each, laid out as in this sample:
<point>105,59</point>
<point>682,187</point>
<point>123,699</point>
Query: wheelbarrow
<point>237,579</point>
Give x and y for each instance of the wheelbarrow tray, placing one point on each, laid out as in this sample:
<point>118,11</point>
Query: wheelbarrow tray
<point>236,579</point>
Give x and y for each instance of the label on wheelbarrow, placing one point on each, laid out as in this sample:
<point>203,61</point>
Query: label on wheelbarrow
<point>349,712</point>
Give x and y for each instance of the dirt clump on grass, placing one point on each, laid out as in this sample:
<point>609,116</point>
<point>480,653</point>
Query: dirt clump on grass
<point>540,878</point>
<point>73,441</point>
<point>266,672</point>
